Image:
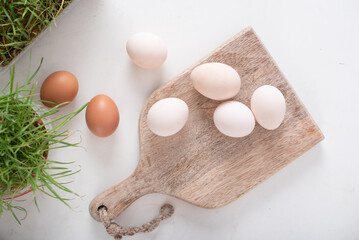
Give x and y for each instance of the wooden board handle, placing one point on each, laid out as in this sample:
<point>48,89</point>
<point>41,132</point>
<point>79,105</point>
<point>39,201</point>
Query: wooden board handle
<point>119,197</point>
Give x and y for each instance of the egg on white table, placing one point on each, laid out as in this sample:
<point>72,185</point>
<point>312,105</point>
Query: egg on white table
<point>146,50</point>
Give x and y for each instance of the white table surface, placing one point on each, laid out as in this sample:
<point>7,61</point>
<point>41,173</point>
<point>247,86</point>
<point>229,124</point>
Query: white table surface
<point>315,44</point>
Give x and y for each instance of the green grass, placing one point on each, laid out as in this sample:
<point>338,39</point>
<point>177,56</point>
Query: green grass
<point>24,143</point>
<point>22,20</point>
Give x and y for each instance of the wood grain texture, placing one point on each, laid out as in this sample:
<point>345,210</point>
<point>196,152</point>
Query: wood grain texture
<point>199,164</point>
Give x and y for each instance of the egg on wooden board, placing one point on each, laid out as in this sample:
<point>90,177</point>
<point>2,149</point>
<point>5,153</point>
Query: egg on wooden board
<point>102,116</point>
<point>216,81</point>
<point>268,106</point>
<point>167,116</point>
<point>234,119</point>
<point>59,87</point>
<point>146,50</point>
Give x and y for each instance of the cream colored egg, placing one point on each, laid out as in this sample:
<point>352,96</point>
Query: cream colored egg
<point>216,81</point>
<point>167,116</point>
<point>146,50</point>
<point>234,119</point>
<point>268,106</point>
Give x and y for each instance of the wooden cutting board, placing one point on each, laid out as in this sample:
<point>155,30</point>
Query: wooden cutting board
<point>199,164</point>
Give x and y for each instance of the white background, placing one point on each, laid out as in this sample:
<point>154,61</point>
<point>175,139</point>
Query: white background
<point>315,44</point>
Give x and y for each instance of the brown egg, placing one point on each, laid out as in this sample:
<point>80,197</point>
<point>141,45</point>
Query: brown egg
<point>59,87</point>
<point>102,116</point>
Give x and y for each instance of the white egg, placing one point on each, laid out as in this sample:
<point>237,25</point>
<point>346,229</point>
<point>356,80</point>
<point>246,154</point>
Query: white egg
<point>146,50</point>
<point>167,116</point>
<point>268,106</point>
<point>216,81</point>
<point>234,119</point>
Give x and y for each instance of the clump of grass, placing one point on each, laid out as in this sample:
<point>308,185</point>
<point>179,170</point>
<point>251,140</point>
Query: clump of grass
<point>22,20</point>
<point>25,140</point>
